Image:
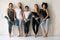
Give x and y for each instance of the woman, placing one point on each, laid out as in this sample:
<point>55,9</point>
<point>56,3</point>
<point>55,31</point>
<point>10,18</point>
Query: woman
<point>45,18</point>
<point>26,20</point>
<point>35,19</point>
<point>19,11</point>
<point>11,17</point>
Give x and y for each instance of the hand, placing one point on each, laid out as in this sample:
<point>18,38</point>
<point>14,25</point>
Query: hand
<point>28,19</point>
<point>33,16</point>
<point>8,19</point>
<point>43,20</point>
<point>25,20</point>
<point>14,18</point>
<point>36,18</point>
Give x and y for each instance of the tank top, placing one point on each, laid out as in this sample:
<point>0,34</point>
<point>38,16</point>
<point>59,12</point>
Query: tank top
<point>43,13</point>
<point>27,13</point>
<point>18,13</point>
<point>11,14</point>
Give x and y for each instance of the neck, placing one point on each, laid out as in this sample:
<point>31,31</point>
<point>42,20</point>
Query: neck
<point>27,10</point>
<point>10,8</point>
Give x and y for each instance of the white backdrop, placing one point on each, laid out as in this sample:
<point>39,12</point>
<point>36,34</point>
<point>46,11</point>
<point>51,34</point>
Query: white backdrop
<point>54,10</point>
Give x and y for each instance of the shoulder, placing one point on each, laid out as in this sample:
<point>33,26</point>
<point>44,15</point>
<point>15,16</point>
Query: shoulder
<point>46,9</point>
<point>13,9</point>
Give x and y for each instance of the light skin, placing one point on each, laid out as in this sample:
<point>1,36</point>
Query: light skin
<point>11,8</point>
<point>26,9</point>
<point>36,10</point>
<point>20,31</point>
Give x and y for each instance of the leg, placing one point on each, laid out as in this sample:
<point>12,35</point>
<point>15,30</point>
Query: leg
<point>25,27</point>
<point>28,23</point>
<point>37,26</point>
<point>43,29</point>
<point>33,26</point>
<point>20,24</point>
<point>10,28</point>
<point>47,25</point>
<point>17,23</point>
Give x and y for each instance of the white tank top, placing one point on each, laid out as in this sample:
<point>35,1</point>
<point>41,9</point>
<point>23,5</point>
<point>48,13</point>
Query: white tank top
<point>18,13</point>
<point>27,13</point>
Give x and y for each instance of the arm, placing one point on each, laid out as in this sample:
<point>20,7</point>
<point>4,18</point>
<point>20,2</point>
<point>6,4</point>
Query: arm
<point>24,17</point>
<point>7,15</point>
<point>14,15</point>
<point>38,16</point>
<point>46,16</point>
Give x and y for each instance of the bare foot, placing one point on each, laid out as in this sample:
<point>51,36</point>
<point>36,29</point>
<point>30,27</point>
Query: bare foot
<point>25,35</point>
<point>45,34</point>
<point>10,35</point>
<point>19,35</point>
<point>35,35</point>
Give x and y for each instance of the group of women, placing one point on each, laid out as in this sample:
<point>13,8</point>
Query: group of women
<point>18,16</point>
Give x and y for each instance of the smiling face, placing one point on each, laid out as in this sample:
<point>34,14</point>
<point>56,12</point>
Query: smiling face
<point>10,5</point>
<point>19,5</point>
<point>35,6</point>
<point>26,8</point>
<point>44,6</point>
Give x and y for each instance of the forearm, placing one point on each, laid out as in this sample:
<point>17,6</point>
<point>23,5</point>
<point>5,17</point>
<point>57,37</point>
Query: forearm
<point>46,17</point>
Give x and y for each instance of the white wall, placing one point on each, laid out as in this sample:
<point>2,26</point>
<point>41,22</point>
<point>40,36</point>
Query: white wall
<point>54,10</point>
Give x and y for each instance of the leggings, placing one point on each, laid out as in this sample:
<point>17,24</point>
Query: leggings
<point>26,27</point>
<point>19,24</point>
<point>11,23</point>
<point>45,27</point>
<point>35,22</point>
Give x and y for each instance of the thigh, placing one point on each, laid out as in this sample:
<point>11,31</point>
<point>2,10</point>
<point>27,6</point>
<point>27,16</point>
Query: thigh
<point>17,22</point>
<point>10,24</point>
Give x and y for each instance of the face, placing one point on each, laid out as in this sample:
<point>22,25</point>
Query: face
<point>27,9</point>
<point>10,6</point>
<point>35,6</point>
<point>43,6</point>
<point>19,4</point>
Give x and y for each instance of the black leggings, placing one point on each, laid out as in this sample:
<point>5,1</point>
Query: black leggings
<point>26,27</point>
<point>35,28</point>
<point>11,23</point>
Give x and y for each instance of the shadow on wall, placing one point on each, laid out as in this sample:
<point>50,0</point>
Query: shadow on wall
<point>52,20</point>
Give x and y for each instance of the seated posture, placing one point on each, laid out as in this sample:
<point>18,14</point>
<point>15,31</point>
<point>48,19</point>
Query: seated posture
<point>35,19</point>
<point>26,18</point>
<point>18,11</point>
<point>45,18</point>
<point>11,16</point>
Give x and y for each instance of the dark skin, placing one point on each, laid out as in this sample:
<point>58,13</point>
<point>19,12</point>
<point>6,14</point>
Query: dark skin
<point>45,34</point>
<point>46,12</point>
